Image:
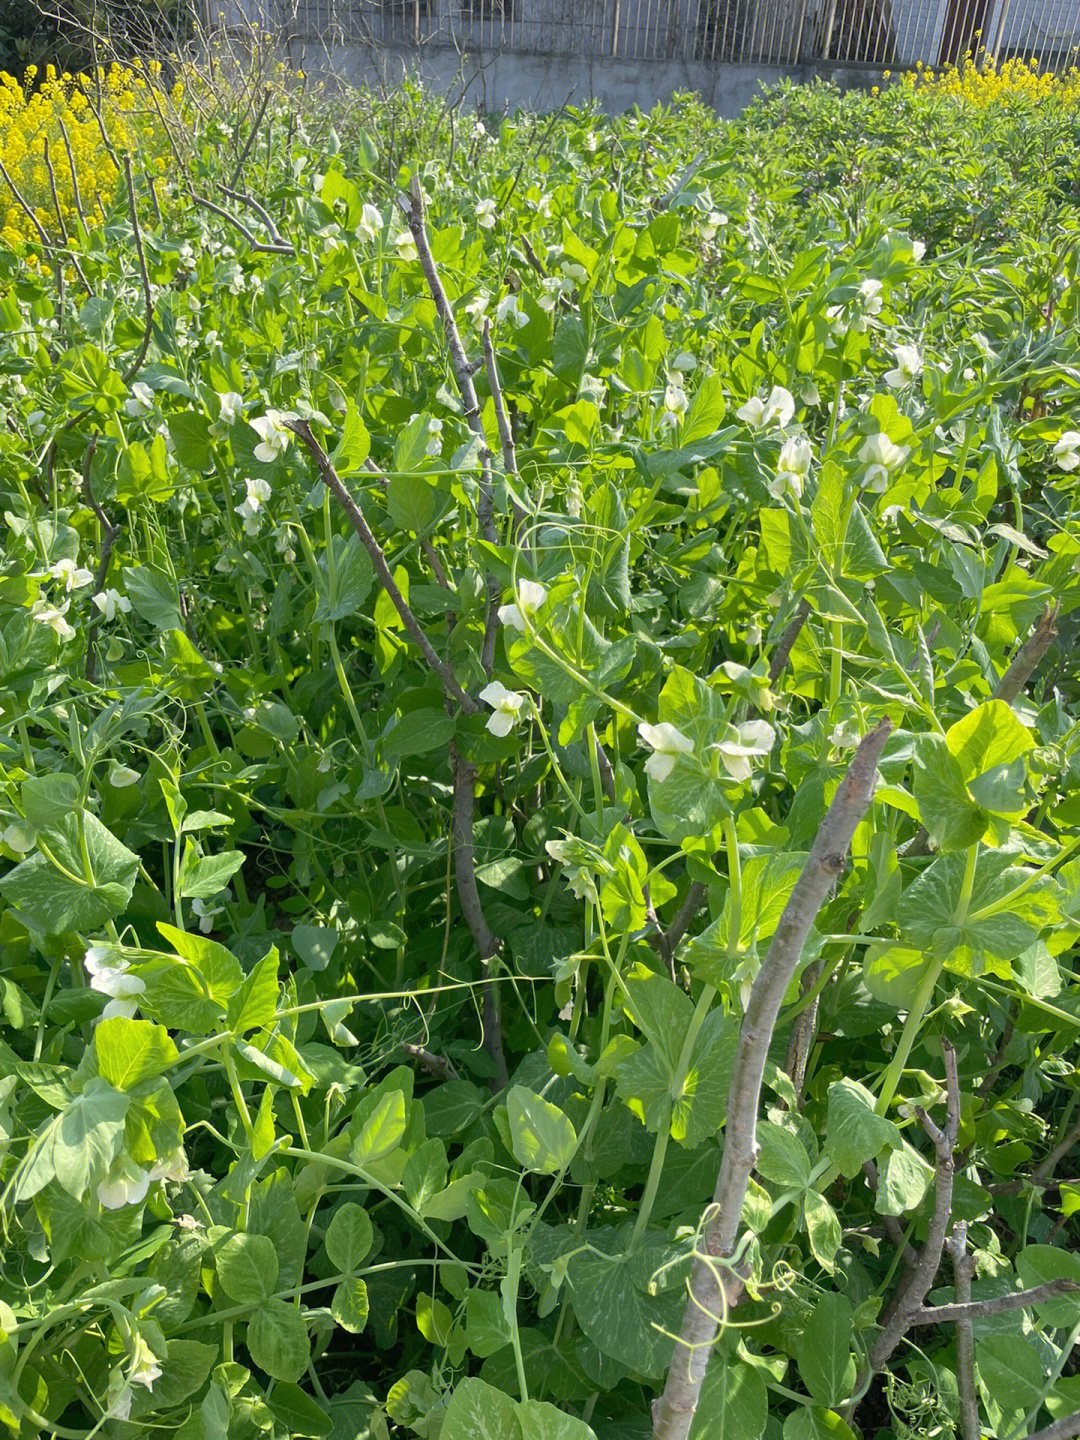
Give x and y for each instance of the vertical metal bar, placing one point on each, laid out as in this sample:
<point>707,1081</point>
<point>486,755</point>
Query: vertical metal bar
<point>826,41</point>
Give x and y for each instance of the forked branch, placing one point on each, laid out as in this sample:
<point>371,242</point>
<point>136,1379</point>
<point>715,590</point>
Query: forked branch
<point>715,1284</point>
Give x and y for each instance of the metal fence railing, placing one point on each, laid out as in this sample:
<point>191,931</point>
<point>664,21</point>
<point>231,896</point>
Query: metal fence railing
<point>877,33</point>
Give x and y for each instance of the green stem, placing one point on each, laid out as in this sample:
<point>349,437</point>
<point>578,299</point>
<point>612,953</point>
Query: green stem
<point>652,1184</point>
<point>907,1036</point>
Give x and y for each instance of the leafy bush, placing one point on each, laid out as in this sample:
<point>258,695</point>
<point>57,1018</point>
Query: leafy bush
<point>540,775</point>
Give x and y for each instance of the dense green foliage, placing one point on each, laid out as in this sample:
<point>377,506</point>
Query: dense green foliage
<point>783,380</point>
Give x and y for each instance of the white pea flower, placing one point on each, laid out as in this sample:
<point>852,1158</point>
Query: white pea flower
<point>550,290</point>
<point>187,253</point>
<point>715,221</point>
<point>918,250</point>
<point>968,373</point>
<point>188,1222</point>
<point>108,976</point>
<point>838,323</point>
<point>371,223</point>
<point>74,576</point>
<point>777,410</point>
<point>144,1366</point>
<point>676,403</point>
<point>507,705</point>
<point>792,468</point>
<point>36,421</point>
<point>230,407</point>
<point>870,294</point>
<point>667,743</point>
<point>233,276</point>
<point>404,244</point>
<point>982,344</point>
<point>479,130</point>
<point>111,601</point>
<point>434,445</point>
<point>507,309</point>
<point>205,914</point>
<point>530,596</point>
<point>753,636</point>
<point>591,142</point>
<point>258,493</point>
<point>173,1168</point>
<point>1067,450</point>
<point>743,743</point>
<point>809,394</point>
<point>120,777</point>
<point>53,616</point>
<point>845,735</point>
<point>574,272</point>
<point>908,367</point>
<point>684,361</point>
<point>125,1184</point>
<point>274,434</point>
<point>486,217</point>
<point>477,305</point>
<point>881,457</point>
<point>141,401</point>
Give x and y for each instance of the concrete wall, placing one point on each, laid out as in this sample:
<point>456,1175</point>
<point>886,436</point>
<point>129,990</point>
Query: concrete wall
<point>510,80</point>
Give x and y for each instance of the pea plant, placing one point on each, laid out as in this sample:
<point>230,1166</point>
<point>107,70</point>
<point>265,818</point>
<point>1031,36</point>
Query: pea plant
<point>540,783</point>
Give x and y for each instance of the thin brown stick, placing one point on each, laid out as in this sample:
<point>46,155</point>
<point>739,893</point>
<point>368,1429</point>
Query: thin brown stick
<point>266,248</point>
<point>1049,1163</point>
<point>334,483</point>
<point>1064,1429</point>
<point>488,944</point>
<point>24,207</point>
<point>436,1065</point>
<point>998,1305</point>
<point>782,653</point>
<point>73,259</point>
<point>243,198</point>
<point>463,373</point>
<point>235,178</point>
<point>75,193</point>
<point>803,1030</point>
<point>506,435</point>
<point>930,1258</point>
<point>963,1270</point>
<point>1027,658</point>
<point>144,274</point>
<point>716,1287</point>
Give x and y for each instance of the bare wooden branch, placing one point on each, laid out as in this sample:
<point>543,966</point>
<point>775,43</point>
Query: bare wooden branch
<point>1049,1163</point>
<point>782,653</point>
<point>20,200</point>
<point>144,274</point>
<point>243,198</point>
<point>715,1284</point>
<point>266,248</point>
<point>488,944</point>
<point>1064,1429</point>
<point>997,1305</point>
<point>463,372</point>
<point>437,1065</point>
<point>963,1270</point>
<point>1027,658</point>
<point>506,435</point>
<point>803,1030</point>
<point>251,139</point>
<point>75,193</point>
<point>929,1260</point>
<point>72,258</point>
<point>334,483</point>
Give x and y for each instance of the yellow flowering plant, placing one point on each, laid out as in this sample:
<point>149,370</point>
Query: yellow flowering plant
<point>60,141</point>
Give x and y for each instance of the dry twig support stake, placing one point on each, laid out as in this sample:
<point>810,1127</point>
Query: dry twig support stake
<point>716,1287</point>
